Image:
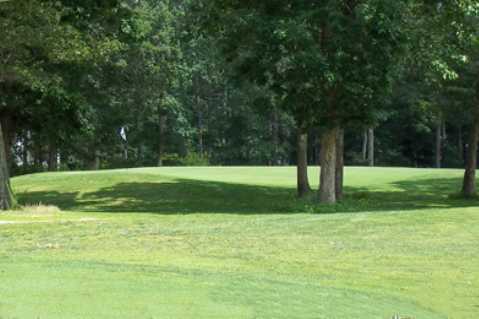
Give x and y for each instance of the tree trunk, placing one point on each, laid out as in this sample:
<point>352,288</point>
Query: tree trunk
<point>201,147</point>
<point>371,147</point>
<point>327,187</point>
<point>52,157</point>
<point>460,145</point>
<point>339,164</point>
<point>302,165</point>
<point>96,161</point>
<point>317,148</point>
<point>6,196</point>
<point>38,155</point>
<point>161,137</point>
<point>438,146</point>
<point>444,131</point>
<point>8,129</point>
<point>275,137</point>
<point>469,183</point>
<point>125,151</point>
<point>364,151</point>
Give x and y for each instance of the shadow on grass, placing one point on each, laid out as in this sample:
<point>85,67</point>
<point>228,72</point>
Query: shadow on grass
<point>184,196</point>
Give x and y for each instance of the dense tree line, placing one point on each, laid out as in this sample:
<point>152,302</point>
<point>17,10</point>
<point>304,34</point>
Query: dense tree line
<point>108,84</point>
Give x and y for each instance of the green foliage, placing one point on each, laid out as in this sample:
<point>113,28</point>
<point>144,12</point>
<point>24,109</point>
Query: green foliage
<point>330,62</point>
<point>195,159</point>
<point>73,76</point>
<point>191,159</point>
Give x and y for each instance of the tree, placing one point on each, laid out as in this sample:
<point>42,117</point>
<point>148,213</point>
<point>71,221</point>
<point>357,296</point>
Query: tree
<point>326,60</point>
<point>6,195</point>
<point>457,36</point>
<point>469,182</point>
<point>42,41</point>
<point>457,33</point>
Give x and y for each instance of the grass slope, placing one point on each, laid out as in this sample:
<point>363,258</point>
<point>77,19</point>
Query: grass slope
<point>235,243</point>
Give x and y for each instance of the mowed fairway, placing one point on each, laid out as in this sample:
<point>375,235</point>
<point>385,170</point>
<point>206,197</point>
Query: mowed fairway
<point>235,243</point>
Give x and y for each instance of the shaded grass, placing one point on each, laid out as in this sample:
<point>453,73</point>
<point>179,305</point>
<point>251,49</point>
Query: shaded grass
<point>166,194</point>
<point>235,243</point>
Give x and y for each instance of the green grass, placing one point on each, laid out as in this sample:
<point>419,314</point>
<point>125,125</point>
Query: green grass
<point>235,243</point>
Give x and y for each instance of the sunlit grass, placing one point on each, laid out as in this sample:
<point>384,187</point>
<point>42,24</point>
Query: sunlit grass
<point>235,243</point>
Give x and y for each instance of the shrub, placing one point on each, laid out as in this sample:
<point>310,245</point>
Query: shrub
<point>195,159</point>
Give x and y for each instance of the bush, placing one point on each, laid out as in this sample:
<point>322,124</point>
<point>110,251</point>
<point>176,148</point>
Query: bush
<point>192,159</point>
<point>172,159</point>
<point>195,159</point>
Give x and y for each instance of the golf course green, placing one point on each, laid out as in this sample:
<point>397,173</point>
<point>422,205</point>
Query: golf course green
<point>234,242</point>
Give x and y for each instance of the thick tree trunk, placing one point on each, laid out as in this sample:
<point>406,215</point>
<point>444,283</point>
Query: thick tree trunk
<point>364,150</point>
<point>302,165</point>
<point>371,147</point>
<point>8,130</point>
<point>339,164</point>
<point>161,137</point>
<point>469,183</point>
<point>438,146</point>
<point>6,196</point>
<point>327,187</point>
